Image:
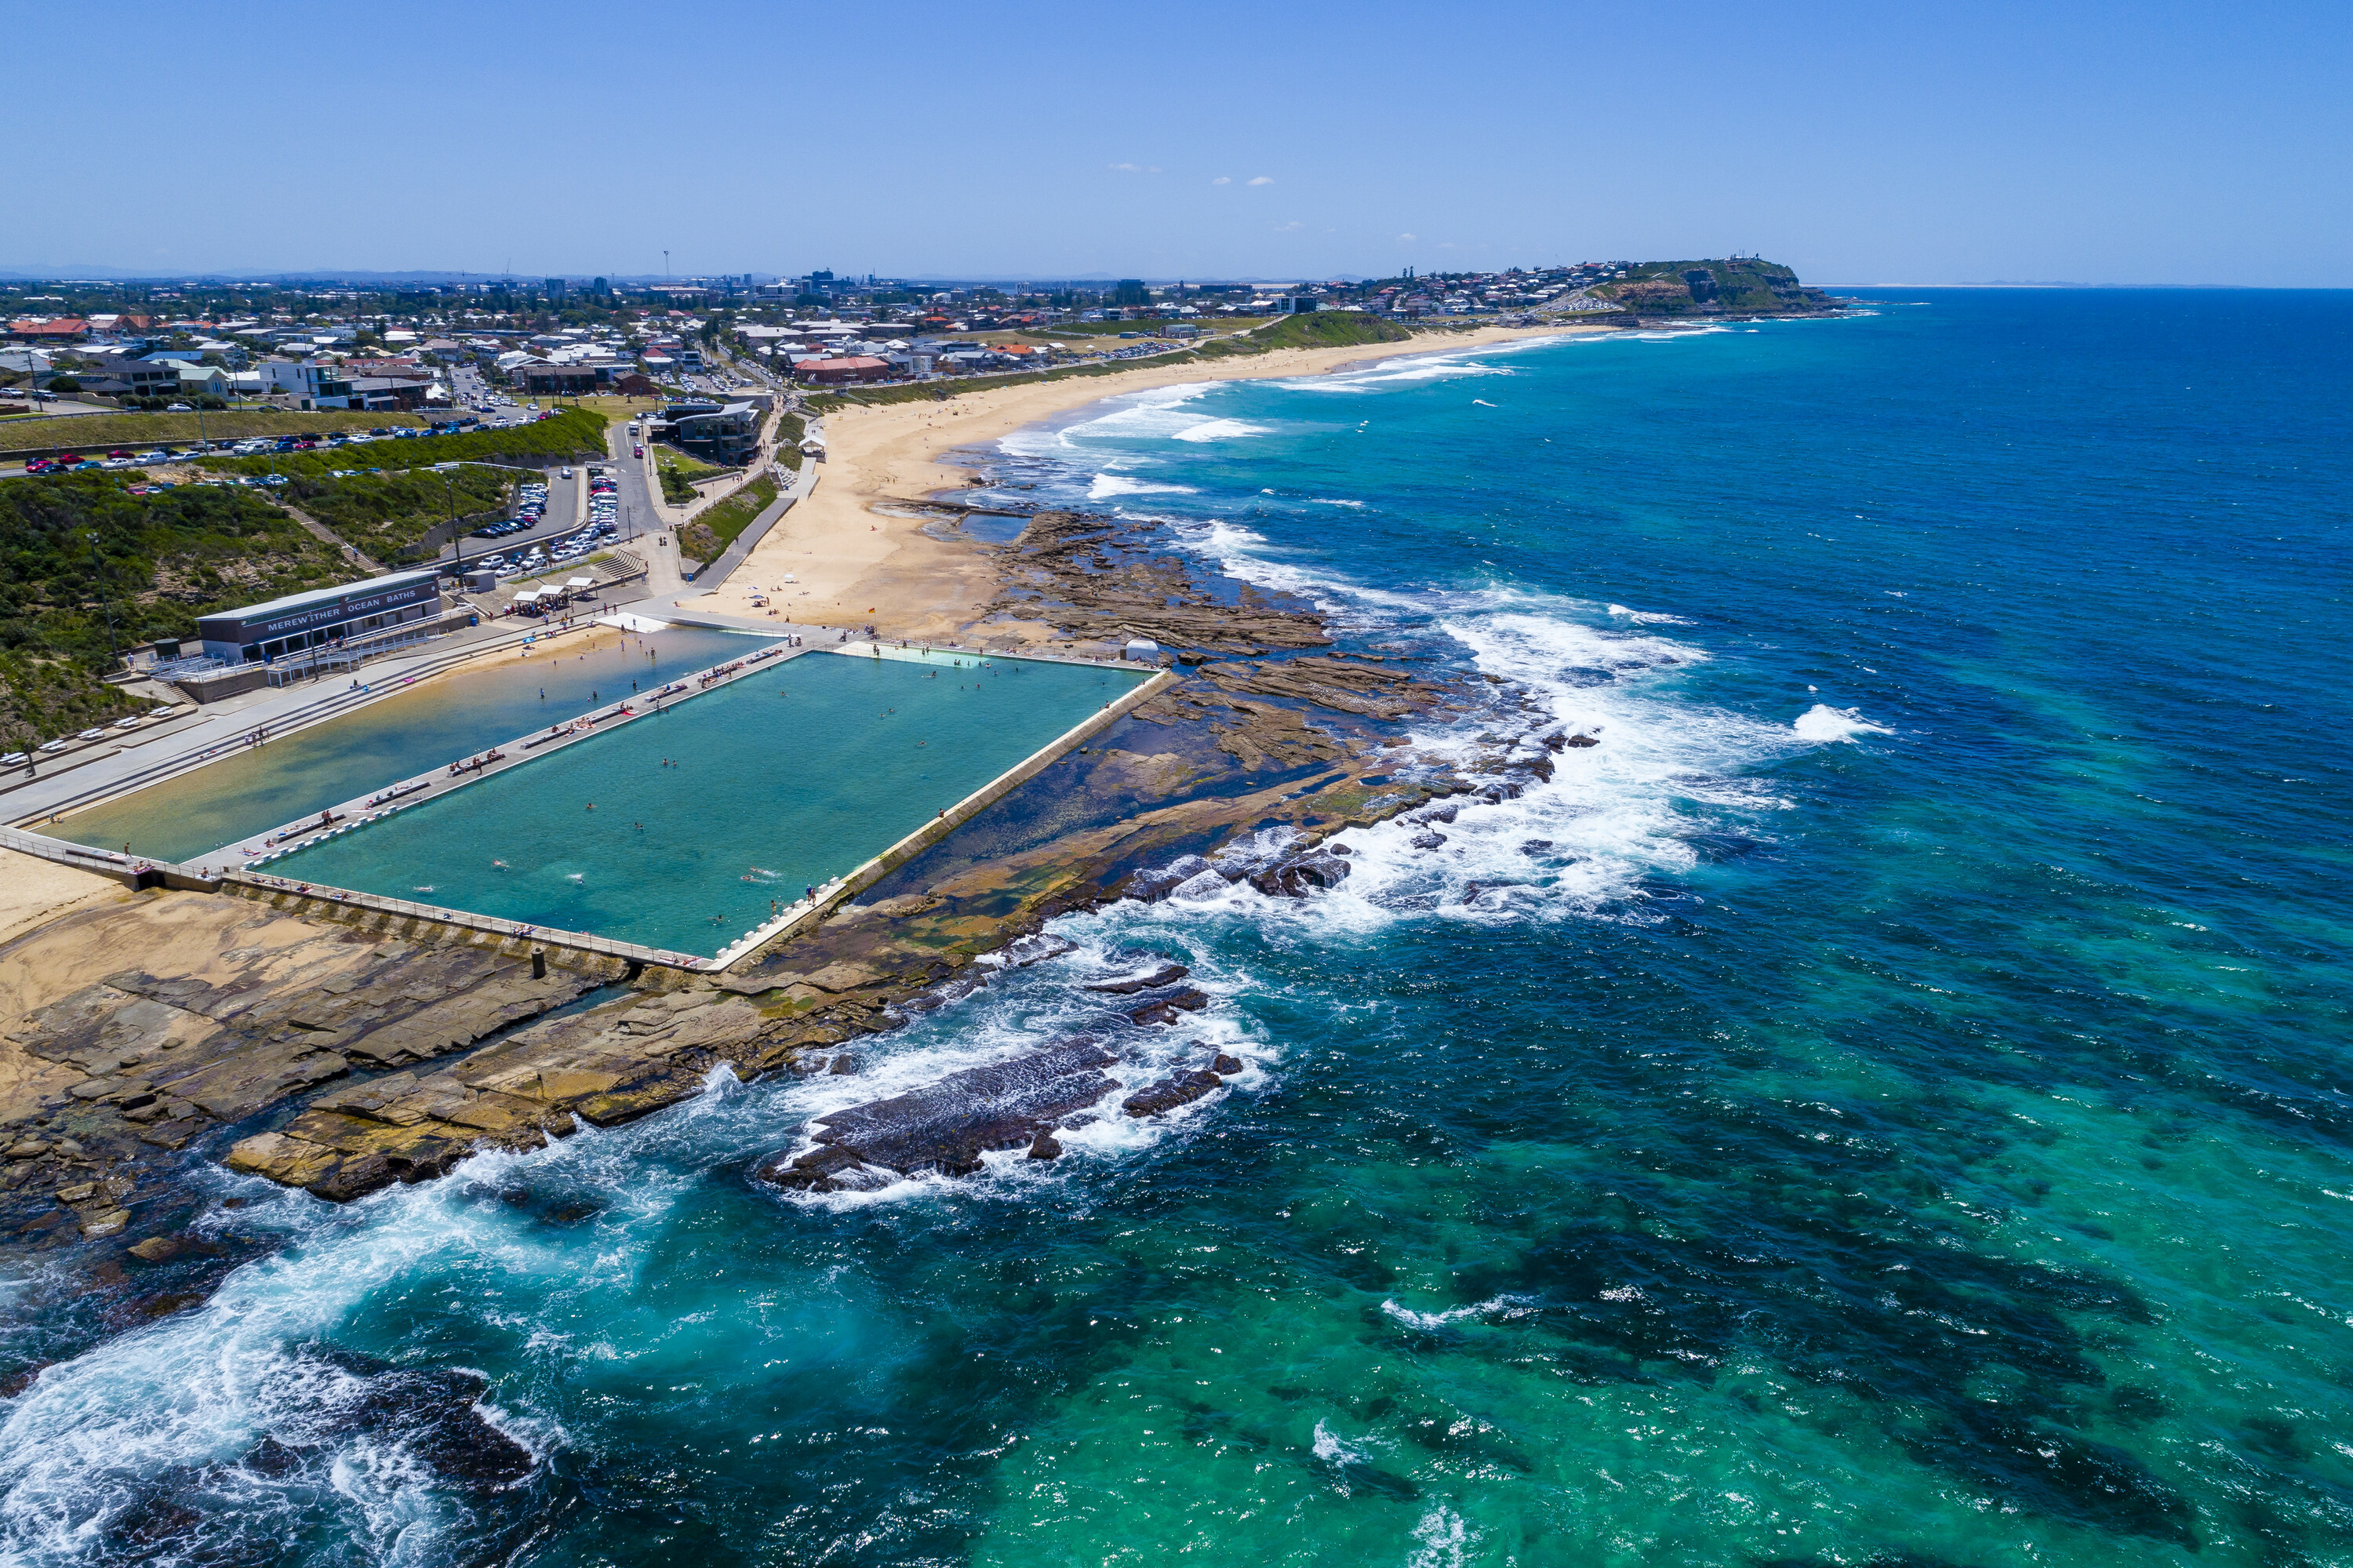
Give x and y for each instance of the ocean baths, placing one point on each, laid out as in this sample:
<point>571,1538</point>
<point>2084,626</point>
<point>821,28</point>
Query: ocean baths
<point>684,827</point>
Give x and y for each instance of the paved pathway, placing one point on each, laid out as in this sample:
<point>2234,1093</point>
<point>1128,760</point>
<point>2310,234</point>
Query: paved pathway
<point>322,532</point>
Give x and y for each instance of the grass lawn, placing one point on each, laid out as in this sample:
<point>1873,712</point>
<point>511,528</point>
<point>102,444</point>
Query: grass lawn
<point>618,410</point>
<point>688,465</point>
<point>714,530</point>
<point>139,432</point>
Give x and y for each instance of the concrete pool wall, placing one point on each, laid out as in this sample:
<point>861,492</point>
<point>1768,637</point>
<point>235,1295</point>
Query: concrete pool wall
<point>1133,685</point>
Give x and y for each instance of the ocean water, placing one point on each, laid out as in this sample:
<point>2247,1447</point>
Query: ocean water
<point>686,829</point>
<point>1886,1103</point>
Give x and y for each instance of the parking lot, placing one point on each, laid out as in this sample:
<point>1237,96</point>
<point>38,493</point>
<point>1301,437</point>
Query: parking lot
<point>551,525</point>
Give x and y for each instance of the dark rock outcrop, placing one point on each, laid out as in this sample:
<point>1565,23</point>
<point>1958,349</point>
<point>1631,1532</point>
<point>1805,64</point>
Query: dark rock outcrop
<point>1166,974</point>
<point>948,1126</point>
<point>1182,1089</point>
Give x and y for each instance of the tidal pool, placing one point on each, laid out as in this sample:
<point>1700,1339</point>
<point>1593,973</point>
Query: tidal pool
<point>684,829</point>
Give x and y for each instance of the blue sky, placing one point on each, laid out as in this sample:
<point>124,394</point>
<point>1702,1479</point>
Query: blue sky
<point>2198,143</point>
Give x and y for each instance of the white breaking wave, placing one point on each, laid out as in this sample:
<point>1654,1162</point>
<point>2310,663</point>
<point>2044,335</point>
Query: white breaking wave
<point>1826,723</point>
<point>1107,485</point>
<point>1021,1011</point>
<point>1334,1449</point>
<point>1430,1320</point>
<point>1222,431</point>
<point>1157,414</point>
<point>1646,618</point>
<point>1441,1540</point>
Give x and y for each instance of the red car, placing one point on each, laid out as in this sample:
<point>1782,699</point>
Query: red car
<point>40,465</point>
<point>66,460</point>
<point>117,452</point>
<point>637,451</point>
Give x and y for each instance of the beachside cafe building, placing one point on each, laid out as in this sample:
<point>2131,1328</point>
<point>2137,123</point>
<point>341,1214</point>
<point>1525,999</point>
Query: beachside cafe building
<point>303,621</point>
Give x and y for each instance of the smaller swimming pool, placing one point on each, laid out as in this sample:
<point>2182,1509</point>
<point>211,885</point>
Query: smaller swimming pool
<point>683,830</point>
<point>469,710</point>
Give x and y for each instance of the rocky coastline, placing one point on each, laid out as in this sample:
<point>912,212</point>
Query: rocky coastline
<point>341,1051</point>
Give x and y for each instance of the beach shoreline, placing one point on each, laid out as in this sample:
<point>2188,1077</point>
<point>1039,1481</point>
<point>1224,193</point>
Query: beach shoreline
<point>832,560</point>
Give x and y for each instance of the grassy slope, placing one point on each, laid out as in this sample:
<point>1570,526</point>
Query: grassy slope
<point>572,435</point>
<point>136,432</point>
<point>383,513</point>
<point>164,559</point>
<point>714,530</point>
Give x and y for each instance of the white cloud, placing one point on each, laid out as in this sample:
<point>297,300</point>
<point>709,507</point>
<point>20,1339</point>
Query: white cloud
<point>1263,179</point>
<point>1409,237</point>
<point>1291,227</point>
<point>1136,168</point>
<point>1223,180</point>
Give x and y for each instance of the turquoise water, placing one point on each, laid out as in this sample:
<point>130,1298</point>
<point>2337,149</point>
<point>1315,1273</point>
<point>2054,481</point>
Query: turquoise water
<point>255,789</point>
<point>1899,1114</point>
<point>684,829</point>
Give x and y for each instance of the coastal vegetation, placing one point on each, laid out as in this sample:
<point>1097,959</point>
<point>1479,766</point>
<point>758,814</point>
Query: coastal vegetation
<point>382,514</point>
<point>791,430</point>
<point>679,471</point>
<point>713,530</point>
<point>1312,329</point>
<point>570,435</point>
<point>44,432</point>
<point>85,564</point>
<point>1739,286</point>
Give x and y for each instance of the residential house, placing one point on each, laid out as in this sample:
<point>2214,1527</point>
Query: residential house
<point>389,391</point>
<point>310,385</point>
<point>203,380</point>
<point>557,380</point>
<point>119,375</point>
<point>49,329</point>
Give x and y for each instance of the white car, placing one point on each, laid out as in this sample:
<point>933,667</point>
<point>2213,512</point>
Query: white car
<point>567,473</point>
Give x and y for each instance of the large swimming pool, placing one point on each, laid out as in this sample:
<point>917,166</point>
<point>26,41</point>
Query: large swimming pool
<point>683,830</point>
<point>460,714</point>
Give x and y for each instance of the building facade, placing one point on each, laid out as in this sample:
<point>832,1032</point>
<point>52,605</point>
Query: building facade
<point>322,616</point>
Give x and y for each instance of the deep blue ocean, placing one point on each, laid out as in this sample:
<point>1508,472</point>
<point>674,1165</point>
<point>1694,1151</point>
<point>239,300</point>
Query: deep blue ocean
<point>1887,1103</point>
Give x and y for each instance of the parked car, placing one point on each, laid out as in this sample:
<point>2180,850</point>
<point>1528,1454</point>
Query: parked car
<point>638,451</point>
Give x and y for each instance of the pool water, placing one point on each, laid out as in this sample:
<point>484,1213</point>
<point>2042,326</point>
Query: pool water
<point>683,830</point>
<point>469,711</point>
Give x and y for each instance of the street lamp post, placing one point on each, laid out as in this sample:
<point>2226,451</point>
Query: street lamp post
<point>457,536</point>
<point>98,571</point>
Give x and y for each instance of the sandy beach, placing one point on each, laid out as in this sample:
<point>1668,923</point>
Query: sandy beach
<point>853,566</point>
